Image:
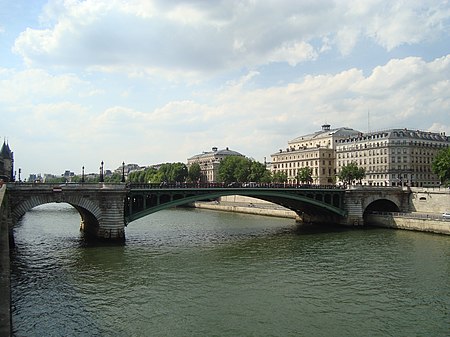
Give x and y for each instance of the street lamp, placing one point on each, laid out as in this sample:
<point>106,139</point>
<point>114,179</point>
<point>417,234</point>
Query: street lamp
<point>123,172</point>
<point>101,172</point>
<point>82,174</point>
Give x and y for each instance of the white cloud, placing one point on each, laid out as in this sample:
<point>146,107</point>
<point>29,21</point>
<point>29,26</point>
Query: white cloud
<point>400,22</point>
<point>293,53</point>
<point>37,84</point>
<point>209,37</point>
<point>136,80</point>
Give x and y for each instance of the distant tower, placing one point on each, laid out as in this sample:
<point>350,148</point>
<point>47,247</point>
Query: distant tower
<point>6,163</point>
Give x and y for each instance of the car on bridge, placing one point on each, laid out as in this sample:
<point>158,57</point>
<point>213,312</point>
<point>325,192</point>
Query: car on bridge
<point>446,215</point>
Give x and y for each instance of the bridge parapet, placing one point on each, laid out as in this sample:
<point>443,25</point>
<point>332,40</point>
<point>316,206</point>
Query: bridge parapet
<point>100,205</point>
<point>106,208</point>
<point>360,200</point>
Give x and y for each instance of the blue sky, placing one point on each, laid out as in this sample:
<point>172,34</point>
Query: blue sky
<point>148,82</point>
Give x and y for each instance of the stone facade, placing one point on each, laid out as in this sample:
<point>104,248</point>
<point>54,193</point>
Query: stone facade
<point>395,157</point>
<point>430,200</point>
<point>6,163</point>
<point>209,163</point>
<point>316,151</point>
<point>101,207</point>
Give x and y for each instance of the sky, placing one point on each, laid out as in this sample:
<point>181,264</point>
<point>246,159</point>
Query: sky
<point>155,81</point>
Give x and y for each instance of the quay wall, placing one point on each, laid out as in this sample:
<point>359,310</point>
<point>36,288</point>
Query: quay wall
<point>430,200</point>
<point>435,203</point>
<point>412,223</point>
<point>248,205</point>
<point>5,272</point>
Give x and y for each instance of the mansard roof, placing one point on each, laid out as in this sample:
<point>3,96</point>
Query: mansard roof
<point>404,133</point>
<point>326,132</point>
<point>216,153</point>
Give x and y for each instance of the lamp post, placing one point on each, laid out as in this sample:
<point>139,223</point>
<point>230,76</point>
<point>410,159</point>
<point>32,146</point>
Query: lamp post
<point>123,172</point>
<point>82,174</point>
<point>101,172</point>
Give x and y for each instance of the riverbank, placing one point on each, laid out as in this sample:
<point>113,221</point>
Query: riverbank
<point>410,221</point>
<point>250,207</point>
<point>407,221</point>
<point>5,273</point>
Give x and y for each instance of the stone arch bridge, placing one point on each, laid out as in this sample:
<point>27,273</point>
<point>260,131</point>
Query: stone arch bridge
<point>106,209</point>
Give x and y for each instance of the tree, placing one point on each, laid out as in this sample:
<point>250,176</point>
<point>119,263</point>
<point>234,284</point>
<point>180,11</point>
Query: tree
<point>258,172</point>
<point>194,172</point>
<point>151,175</point>
<point>242,169</point>
<point>304,175</point>
<point>441,166</point>
<point>351,172</point>
<point>279,177</point>
<point>234,168</point>
<point>172,172</point>
<point>114,178</point>
<point>179,172</point>
<point>168,172</point>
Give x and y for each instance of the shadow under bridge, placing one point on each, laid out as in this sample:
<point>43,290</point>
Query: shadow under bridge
<point>319,204</point>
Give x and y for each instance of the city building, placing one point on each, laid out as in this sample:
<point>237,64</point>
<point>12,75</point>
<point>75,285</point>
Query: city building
<point>394,157</point>
<point>6,163</point>
<point>316,151</point>
<point>209,163</point>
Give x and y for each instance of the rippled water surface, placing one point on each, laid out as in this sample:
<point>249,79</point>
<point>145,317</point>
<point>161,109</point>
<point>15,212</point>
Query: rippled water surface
<point>186,272</point>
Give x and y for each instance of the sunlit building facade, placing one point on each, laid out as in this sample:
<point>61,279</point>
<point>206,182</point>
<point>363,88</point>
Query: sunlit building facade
<point>316,151</point>
<point>394,157</point>
<point>209,163</point>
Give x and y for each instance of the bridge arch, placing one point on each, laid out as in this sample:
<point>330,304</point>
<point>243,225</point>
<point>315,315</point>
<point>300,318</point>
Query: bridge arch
<point>324,204</point>
<point>90,212</point>
<point>380,205</point>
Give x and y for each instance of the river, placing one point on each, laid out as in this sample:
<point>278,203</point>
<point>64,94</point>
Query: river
<point>189,272</point>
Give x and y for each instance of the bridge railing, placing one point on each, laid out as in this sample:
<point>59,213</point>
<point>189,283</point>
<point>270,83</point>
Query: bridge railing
<point>50,186</point>
<point>232,185</point>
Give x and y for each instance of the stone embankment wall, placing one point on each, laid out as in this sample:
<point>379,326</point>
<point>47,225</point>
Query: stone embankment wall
<point>414,223</point>
<point>430,200</point>
<point>423,202</point>
<point>241,204</point>
<point>5,281</point>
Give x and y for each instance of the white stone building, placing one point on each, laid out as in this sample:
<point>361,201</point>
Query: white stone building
<point>316,151</point>
<point>209,163</point>
<point>394,157</point>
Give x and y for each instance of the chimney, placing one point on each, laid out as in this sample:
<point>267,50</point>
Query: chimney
<point>326,127</point>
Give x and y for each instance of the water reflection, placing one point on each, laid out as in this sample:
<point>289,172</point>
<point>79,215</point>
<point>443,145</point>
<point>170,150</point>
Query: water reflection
<point>189,272</point>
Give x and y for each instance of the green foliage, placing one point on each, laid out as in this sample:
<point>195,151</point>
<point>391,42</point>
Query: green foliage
<point>55,180</point>
<point>114,178</point>
<point>304,175</point>
<point>351,172</point>
<point>234,168</point>
<point>267,177</point>
<point>279,177</point>
<point>194,172</point>
<point>257,171</point>
<point>168,172</point>
<point>241,169</point>
<point>441,166</point>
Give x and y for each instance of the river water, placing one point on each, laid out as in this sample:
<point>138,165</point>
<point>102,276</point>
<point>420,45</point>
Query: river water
<point>188,272</point>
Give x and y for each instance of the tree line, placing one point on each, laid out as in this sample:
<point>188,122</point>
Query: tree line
<point>242,169</point>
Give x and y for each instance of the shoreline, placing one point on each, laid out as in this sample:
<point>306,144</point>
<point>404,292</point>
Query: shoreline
<point>407,221</point>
